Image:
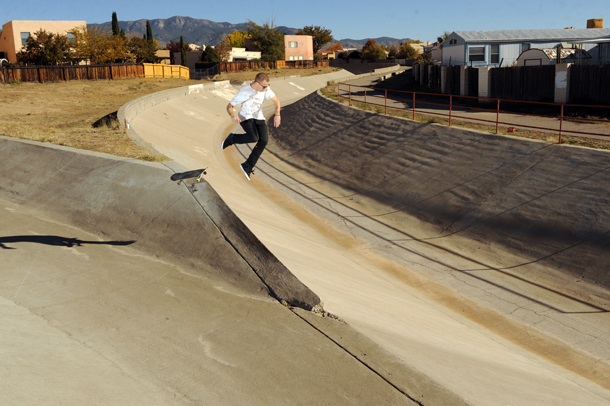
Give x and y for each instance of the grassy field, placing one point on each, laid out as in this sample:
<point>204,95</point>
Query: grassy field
<point>63,113</point>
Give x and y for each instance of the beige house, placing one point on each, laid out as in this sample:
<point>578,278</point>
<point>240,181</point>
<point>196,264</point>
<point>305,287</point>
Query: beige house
<point>15,34</point>
<point>240,54</point>
<point>298,47</point>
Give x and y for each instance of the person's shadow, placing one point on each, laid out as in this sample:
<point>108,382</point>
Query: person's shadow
<point>54,240</point>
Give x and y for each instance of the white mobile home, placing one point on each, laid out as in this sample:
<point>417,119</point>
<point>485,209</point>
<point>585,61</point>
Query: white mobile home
<point>502,48</point>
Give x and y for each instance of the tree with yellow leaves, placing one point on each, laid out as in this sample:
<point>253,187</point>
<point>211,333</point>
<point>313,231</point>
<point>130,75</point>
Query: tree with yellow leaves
<point>97,45</point>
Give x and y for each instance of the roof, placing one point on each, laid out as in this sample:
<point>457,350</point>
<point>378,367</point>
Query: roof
<point>533,35</point>
<point>566,53</point>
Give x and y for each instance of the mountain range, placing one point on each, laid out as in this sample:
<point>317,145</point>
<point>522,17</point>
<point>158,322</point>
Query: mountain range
<point>206,32</point>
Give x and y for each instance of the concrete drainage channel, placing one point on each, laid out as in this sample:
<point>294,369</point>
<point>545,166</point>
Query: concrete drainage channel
<point>125,199</point>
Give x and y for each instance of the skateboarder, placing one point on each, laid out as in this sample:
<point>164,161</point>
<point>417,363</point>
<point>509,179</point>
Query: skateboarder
<point>251,119</point>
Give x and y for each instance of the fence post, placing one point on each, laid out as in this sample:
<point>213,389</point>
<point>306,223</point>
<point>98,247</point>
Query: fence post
<point>560,124</point>
<point>350,94</point>
<point>450,108</point>
<point>562,83</point>
<point>413,106</point>
<point>386,102</point>
<point>497,116</point>
<point>365,99</point>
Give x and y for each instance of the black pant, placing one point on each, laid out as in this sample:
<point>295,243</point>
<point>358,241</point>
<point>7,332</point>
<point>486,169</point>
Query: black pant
<point>256,131</point>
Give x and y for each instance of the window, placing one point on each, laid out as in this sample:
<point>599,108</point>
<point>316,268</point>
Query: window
<point>495,54</point>
<point>24,38</point>
<point>291,58</point>
<point>292,44</point>
<point>525,47</point>
<point>476,54</point>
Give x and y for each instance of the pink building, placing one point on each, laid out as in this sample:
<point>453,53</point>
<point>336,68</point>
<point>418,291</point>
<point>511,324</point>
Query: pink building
<point>299,47</point>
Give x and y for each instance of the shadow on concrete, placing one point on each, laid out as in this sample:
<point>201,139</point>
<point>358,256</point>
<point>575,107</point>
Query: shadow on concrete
<point>538,201</point>
<point>55,240</point>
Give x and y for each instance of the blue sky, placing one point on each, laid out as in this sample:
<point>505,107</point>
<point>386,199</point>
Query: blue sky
<point>355,19</point>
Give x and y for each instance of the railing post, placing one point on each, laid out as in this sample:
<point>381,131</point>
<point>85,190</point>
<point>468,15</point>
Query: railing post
<point>386,102</point>
<point>561,123</point>
<point>497,116</point>
<point>450,108</point>
<point>413,106</point>
<point>350,94</point>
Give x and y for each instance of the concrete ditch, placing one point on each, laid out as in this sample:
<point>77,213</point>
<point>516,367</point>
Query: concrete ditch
<point>130,200</point>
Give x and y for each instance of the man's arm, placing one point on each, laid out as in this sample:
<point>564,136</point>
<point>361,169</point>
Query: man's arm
<point>233,114</point>
<point>277,120</point>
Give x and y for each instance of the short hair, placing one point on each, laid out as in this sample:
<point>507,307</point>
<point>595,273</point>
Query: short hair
<point>261,77</point>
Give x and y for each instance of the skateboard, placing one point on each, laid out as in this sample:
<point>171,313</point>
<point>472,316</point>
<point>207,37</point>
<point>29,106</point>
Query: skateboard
<point>180,176</point>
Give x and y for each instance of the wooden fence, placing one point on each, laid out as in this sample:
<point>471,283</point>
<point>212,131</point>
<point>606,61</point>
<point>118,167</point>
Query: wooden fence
<point>590,84</point>
<point>249,65</point>
<point>157,70</point>
<point>586,84</point>
<point>45,74</point>
<point>527,83</point>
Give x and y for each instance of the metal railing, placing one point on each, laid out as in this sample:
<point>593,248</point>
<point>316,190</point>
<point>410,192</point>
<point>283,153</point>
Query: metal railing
<point>551,117</point>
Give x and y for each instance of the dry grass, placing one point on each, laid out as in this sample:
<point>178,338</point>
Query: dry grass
<point>331,92</point>
<point>63,113</point>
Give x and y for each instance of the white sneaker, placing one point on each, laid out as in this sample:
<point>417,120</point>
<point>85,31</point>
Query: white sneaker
<point>246,169</point>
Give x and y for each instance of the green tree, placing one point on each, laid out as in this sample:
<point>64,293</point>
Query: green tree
<point>183,54</point>
<point>406,51</point>
<point>424,59</point>
<point>142,50</point>
<point>371,51</point>
<point>45,48</point>
<point>443,37</point>
<point>149,34</point>
<point>97,45</point>
<point>116,31</point>
<point>209,55</point>
<point>268,39</point>
<point>320,36</point>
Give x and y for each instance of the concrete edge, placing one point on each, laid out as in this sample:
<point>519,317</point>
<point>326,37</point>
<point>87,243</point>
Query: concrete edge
<point>409,381</point>
<point>131,109</point>
<point>282,284</point>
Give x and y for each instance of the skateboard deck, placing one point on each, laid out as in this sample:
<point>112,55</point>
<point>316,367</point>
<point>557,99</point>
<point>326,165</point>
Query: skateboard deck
<point>180,176</point>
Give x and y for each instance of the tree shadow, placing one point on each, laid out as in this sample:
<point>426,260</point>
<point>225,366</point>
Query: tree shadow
<point>55,241</point>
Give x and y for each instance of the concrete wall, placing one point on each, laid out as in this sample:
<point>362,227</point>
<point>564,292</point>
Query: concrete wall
<point>541,207</point>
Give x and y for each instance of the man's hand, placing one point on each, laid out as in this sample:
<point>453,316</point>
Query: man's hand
<point>235,119</point>
<point>277,121</point>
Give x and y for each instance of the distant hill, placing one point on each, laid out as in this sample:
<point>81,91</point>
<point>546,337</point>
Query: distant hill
<point>206,32</point>
<point>359,43</point>
<point>193,30</point>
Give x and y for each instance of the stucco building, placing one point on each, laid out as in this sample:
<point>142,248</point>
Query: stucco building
<point>298,47</point>
<point>15,34</point>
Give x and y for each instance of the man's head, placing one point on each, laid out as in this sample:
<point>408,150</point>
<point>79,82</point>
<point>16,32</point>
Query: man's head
<point>261,82</point>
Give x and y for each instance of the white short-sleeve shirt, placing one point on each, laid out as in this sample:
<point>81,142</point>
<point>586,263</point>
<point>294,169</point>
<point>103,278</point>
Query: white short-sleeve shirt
<point>251,102</point>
